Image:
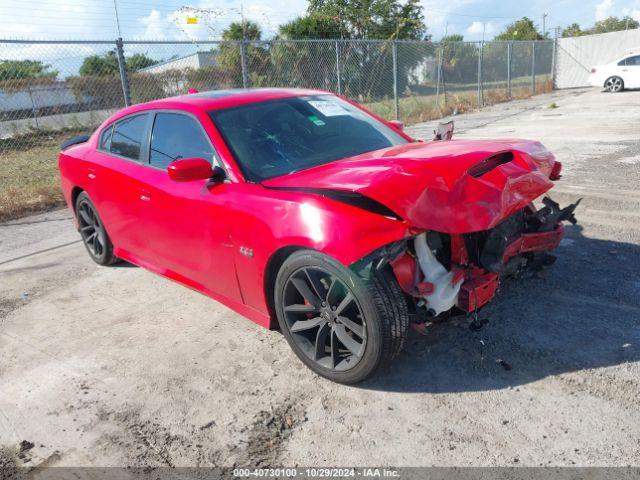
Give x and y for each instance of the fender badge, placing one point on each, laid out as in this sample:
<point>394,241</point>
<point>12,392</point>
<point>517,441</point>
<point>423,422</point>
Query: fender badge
<point>246,251</point>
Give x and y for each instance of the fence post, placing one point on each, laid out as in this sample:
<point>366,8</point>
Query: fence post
<point>338,67</point>
<point>33,108</point>
<point>124,78</point>
<point>243,64</point>
<point>480,53</point>
<point>394,54</point>
<point>439,67</point>
<point>553,63</point>
<point>509,69</point>
<point>533,67</point>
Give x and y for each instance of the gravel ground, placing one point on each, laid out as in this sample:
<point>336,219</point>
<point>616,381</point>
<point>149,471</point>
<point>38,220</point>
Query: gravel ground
<point>117,366</point>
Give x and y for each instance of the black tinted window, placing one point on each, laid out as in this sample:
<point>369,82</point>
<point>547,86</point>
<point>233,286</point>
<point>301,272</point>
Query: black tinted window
<point>128,136</point>
<point>177,136</point>
<point>277,137</point>
<point>630,61</point>
<point>105,139</point>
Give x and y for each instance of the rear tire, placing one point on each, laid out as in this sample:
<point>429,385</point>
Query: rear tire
<point>614,84</point>
<point>93,232</point>
<point>341,326</point>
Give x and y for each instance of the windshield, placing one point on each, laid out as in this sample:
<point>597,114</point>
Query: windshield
<point>277,137</point>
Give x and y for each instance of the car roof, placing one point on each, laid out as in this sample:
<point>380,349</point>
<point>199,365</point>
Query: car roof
<point>216,99</point>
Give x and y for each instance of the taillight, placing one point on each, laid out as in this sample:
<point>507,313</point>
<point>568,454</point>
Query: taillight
<point>555,171</point>
<point>593,70</point>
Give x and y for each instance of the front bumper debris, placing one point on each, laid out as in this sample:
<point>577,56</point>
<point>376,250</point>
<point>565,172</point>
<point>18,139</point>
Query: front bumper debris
<point>534,242</point>
<point>474,264</point>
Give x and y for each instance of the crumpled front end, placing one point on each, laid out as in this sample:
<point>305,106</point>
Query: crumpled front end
<point>444,272</point>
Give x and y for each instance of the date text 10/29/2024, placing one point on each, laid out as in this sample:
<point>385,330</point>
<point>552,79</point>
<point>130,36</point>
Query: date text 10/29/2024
<point>316,472</point>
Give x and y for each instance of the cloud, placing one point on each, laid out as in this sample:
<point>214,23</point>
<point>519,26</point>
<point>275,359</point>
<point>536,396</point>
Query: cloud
<point>603,9</point>
<point>632,12</point>
<point>56,19</point>
<point>438,16</point>
<point>207,19</point>
<point>477,28</point>
<point>153,25</point>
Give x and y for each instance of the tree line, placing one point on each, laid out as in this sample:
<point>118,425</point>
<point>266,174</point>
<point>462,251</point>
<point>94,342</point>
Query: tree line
<point>366,67</point>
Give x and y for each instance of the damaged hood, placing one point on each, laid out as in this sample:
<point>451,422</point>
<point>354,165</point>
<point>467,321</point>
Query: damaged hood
<point>454,186</point>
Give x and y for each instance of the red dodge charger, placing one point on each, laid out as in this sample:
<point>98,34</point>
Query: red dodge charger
<point>301,206</point>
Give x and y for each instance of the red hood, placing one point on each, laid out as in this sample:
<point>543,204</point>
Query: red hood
<point>428,184</point>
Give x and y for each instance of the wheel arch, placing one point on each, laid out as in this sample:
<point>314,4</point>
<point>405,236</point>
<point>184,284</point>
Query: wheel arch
<point>75,191</point>
<point>274,263</point>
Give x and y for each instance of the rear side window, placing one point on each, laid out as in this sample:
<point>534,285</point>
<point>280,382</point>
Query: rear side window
<point>105,138</point>
<point>128,135</point>
<point>176,136</point>
<point>630,61</point>
<point>635,61</point>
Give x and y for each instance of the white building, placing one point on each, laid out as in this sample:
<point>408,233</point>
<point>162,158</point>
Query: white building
<point>195,61</point>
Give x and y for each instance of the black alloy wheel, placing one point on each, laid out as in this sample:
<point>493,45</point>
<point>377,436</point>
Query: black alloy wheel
<point>93,233</point>
<point>340,325</point>
<point>324,319</point>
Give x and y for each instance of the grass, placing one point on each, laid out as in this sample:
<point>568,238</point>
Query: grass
<point>422,108</point>
<point>29,181</point>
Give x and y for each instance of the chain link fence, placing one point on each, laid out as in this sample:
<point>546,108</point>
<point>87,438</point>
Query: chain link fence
<point>50,90</point>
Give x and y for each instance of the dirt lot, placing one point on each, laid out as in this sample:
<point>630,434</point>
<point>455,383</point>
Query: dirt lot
<point>117,366</point>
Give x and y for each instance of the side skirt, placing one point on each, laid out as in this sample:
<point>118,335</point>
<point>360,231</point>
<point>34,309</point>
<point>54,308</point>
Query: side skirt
<point>238,307</point>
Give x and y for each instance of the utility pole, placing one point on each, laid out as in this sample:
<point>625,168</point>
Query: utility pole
<point>244,24</point>
<point>115,7</point>
<point>243,51</point>
<point>544,25</point>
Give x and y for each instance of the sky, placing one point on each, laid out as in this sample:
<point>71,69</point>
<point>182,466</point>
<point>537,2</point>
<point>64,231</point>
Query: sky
<point>167,19</point>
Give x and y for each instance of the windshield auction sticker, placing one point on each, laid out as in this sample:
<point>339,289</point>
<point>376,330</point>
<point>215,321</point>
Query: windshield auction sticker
<point>328,109</point>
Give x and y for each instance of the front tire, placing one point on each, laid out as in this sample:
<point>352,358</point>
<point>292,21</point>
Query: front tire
<point>93,233</point>
<point>341,326</point>
<point>614,84</point>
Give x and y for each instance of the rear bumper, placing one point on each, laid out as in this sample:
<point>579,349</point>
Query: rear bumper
<point>596,80</point>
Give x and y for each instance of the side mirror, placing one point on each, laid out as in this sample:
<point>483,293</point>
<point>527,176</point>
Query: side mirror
<point>190,169</point>
<point>397,124</point>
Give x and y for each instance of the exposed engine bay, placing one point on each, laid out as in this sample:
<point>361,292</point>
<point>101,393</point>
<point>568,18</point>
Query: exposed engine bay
<point>462,272</point>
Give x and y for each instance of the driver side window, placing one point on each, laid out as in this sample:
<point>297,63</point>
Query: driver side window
<point>175,136</point>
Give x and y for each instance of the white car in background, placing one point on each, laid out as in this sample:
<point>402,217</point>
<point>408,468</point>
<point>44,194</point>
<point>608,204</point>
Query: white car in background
<point>618,75</point>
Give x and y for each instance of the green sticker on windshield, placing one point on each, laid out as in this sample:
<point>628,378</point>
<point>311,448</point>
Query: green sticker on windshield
<point>316,120</point>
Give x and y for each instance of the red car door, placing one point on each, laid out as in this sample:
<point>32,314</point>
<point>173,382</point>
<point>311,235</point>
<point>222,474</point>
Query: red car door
<point>114,171</point>
<point>186,225</point>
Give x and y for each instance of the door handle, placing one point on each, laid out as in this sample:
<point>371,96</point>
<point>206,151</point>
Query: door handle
<point>145,195</point>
